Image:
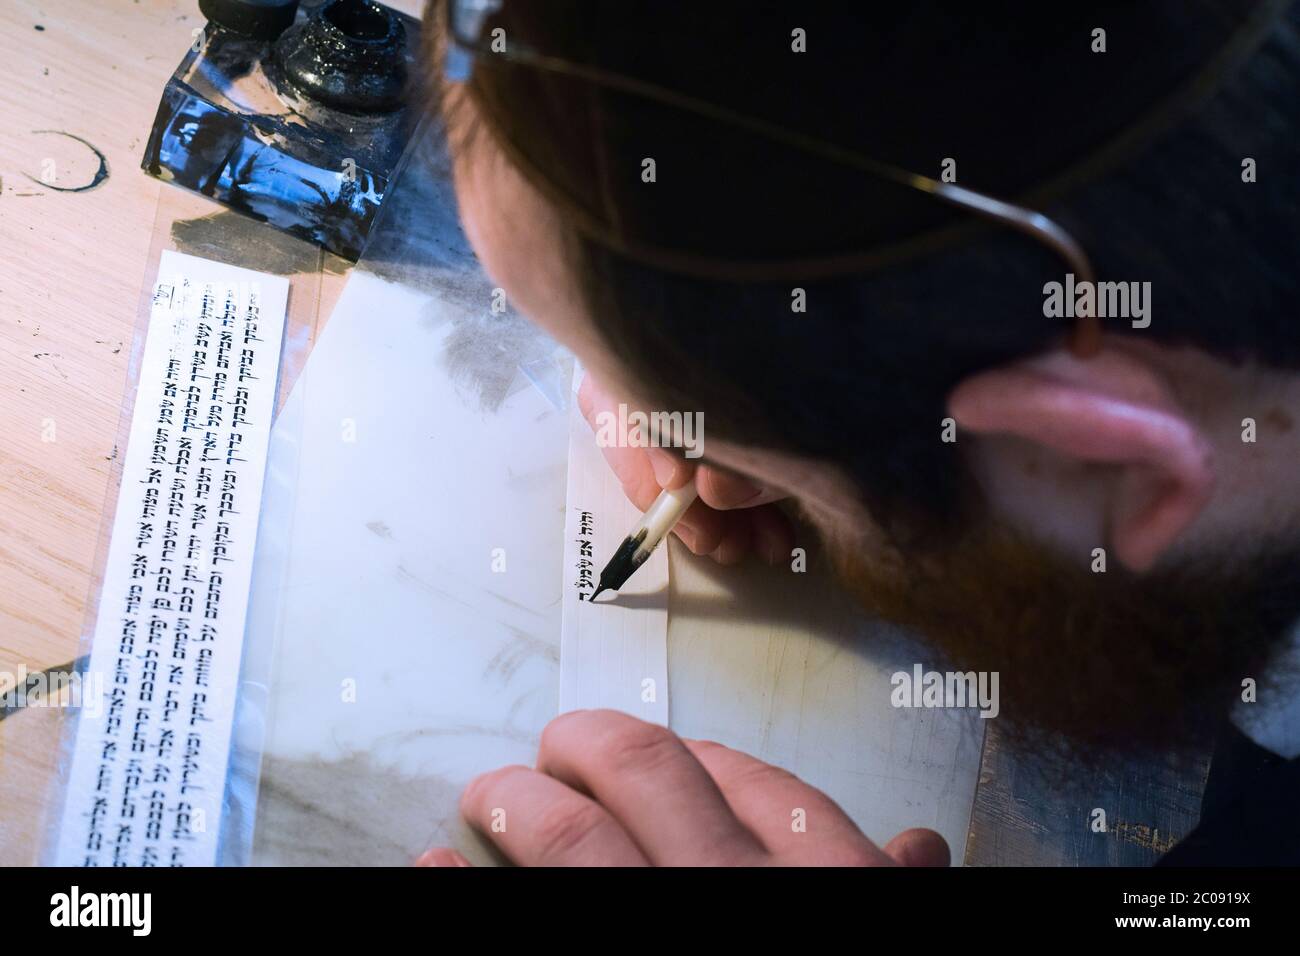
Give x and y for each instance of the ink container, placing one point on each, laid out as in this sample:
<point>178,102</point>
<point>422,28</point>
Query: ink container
<point>293,113</point>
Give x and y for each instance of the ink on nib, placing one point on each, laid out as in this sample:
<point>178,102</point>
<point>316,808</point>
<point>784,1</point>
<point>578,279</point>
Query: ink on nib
<point>620,566</point>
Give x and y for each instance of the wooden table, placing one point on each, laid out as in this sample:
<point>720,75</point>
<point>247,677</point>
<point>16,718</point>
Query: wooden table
<point>74,263</point>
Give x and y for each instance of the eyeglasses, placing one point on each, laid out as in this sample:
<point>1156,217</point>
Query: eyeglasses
<point>465,22</point>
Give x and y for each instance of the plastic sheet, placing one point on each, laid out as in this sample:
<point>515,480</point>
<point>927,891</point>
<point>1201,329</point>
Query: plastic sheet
<point>190,224</point>
<point>426,436</point>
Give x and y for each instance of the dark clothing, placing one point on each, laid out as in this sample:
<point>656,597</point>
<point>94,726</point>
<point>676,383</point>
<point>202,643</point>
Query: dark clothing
<point>1250,812</point>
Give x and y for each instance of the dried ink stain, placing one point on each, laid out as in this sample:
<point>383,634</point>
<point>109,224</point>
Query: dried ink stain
<point>101,173</point>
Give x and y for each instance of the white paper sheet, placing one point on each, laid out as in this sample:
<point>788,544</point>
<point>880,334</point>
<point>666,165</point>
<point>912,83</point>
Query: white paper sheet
<point>148,766</point>
<point>614,653</point>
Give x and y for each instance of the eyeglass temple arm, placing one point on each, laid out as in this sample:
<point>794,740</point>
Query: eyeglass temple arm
<point>1086,341</point>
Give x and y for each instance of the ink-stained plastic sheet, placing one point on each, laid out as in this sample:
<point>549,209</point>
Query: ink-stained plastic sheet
<point>409,566</point>
<point>192,226</point>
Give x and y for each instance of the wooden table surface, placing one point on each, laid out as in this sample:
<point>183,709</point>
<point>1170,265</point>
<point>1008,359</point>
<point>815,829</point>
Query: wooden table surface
<point>72,268</point>
<point>85,76</point>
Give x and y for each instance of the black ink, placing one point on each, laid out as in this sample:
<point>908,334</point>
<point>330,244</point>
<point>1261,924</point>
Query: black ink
<point>100,174</point>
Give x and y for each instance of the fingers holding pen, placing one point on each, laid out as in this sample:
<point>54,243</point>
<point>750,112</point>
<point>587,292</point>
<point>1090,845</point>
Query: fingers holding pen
<point>733,516</point>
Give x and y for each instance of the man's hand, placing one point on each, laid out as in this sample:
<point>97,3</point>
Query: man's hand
<point>732,517</point>
<point>611,790</point>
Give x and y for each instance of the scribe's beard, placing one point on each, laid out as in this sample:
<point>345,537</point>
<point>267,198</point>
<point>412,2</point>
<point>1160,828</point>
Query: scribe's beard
<point>1088,663</point>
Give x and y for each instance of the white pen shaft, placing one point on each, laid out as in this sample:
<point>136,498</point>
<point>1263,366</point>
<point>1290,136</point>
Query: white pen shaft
<point>660,517</point>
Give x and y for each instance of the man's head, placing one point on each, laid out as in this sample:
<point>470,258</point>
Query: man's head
<point>678,289</point>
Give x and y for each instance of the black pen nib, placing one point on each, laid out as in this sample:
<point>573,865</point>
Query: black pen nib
<point>599,588</point>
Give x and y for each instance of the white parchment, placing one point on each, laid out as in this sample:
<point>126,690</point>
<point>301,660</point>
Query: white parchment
<point>148,765</point>
<point>614,653</point>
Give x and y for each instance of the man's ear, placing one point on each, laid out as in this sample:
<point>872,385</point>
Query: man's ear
<point>1113,409</point>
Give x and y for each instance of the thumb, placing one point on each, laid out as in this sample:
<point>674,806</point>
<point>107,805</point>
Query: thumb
<point>443,856</point>
<point>919,847</point>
